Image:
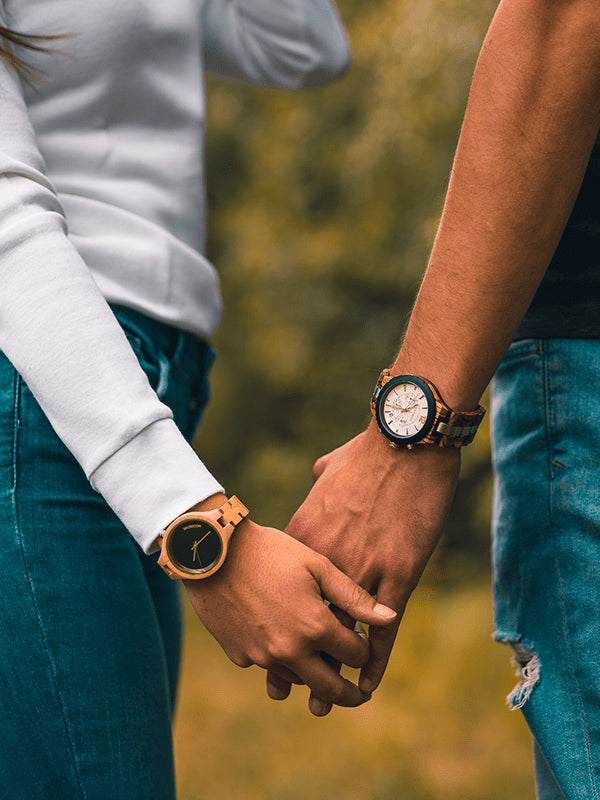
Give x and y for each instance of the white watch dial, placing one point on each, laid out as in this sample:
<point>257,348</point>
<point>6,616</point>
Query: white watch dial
<point>405,409</point>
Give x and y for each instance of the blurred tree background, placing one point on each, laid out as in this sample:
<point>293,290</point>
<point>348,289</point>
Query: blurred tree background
<point>323,210</point>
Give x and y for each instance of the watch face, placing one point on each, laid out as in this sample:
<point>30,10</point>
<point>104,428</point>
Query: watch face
<point>194,546</point>
<point>405,409</point>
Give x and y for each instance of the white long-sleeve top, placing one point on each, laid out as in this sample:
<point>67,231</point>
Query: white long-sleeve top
<point>102,198</point>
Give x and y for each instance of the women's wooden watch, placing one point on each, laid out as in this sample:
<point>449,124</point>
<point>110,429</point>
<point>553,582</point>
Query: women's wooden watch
<point>409,411</point>
<point>195,544</point>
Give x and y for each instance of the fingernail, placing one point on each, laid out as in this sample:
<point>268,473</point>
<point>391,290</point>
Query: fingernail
<point>366,685</point>
<point>274,692</point>
<point>384,611</point>
<point>318,707</point>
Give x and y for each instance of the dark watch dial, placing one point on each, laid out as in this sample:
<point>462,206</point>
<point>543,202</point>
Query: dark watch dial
<point>405,409</point>
<point>194,546</point>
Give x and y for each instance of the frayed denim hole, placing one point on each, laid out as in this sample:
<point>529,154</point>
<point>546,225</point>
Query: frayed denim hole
<point>528,668</point>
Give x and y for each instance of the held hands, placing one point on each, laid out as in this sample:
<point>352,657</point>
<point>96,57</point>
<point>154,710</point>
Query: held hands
<point>377,514</point>
<point>265,606</point>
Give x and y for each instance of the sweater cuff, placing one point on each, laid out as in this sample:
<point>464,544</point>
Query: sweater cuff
<point>153,479</point>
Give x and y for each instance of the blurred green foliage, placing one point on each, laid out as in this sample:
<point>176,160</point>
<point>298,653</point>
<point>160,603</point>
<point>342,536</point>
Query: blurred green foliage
<point>323,209</point>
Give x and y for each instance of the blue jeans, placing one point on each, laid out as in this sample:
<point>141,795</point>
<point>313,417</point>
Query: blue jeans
<point>90,627</point>
<point>546,552</point>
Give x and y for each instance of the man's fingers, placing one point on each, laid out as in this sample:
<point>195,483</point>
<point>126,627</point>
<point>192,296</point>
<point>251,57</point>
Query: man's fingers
<point>381,641</point>
<point>329,687</point>
<point>317,706</point>
<point>352,598</point>
<point>277,688</point>
<point>279,682</point>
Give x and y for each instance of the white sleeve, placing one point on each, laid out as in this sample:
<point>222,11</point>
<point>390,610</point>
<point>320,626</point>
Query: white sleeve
<point>58,331</point>
<point>290,43</point>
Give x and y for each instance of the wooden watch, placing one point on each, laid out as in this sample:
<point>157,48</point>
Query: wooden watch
<point>195,544</point>
<point>409,411</point>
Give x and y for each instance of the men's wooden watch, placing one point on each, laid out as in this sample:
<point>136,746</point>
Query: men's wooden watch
<point>409,410</point>
<point>195,544</point>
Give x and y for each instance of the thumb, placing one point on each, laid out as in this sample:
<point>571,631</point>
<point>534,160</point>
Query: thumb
<point>341,590</point>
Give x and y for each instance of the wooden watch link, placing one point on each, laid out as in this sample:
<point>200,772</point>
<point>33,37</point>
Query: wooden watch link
<point>409,410</point>
<point>195,544</point>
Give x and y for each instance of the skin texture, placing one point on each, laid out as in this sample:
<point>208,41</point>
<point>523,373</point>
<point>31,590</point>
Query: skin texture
<point>381,528</point>
<point>531,121</point>
<point>265,607</point>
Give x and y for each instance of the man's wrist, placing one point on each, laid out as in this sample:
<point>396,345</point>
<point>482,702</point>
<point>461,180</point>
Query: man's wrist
<point>456,384</point>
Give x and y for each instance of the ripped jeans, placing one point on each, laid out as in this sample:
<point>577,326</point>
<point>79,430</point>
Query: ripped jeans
<point>546,552</point>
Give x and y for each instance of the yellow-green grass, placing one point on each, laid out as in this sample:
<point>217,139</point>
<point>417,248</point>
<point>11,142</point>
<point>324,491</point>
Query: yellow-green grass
<point>436,728</point>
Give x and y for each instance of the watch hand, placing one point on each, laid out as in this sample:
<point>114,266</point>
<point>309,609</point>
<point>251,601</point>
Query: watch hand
<point>195,548</point>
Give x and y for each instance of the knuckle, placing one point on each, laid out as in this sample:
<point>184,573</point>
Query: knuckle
<point>262,659</point>
<point>318,467</point>
<point>335,695</point>
<point>284,650</point>
<point>241,660</point>
<point>314,630</point>
<point>405,576</point>
<point>357,595</point>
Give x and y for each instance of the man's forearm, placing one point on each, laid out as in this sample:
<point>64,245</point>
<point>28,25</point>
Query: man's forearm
<point>531,122</point>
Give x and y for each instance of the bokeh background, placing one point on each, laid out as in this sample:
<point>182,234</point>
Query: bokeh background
<point>323,209</point>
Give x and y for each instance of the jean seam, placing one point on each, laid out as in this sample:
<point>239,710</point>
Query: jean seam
<point>560,583</point>
<point>44,638</point>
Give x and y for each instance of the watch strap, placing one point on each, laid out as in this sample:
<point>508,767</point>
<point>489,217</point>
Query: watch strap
<point>232,512</point>
<point>384,377</point>
<point>457,429</point>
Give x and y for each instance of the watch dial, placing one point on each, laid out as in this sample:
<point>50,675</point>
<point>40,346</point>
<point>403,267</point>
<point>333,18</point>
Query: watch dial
<point>405,410</point>
<point>195,546</point>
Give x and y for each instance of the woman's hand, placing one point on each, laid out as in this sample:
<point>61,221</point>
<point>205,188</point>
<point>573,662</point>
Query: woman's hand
<point>266,606</point>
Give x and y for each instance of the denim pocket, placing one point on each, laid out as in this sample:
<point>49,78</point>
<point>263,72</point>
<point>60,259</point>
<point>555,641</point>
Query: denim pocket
<point>176,363</point>
<point>204,356</point>
<point>151,358</point>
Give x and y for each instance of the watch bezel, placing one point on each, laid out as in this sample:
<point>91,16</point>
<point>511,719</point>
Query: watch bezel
<point>171,533</point>
<point>431,413</point>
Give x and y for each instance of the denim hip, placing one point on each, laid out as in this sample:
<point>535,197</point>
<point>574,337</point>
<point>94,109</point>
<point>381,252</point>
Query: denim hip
<point>546,552</point>
<point>90,627</point>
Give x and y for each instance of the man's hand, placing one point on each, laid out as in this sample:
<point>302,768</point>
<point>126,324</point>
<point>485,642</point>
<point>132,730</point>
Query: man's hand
<point>265,606</point>
<point>377,513</point>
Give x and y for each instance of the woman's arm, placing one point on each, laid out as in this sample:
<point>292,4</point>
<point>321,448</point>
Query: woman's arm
<point>60,334</point>
<point>290,43</point>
